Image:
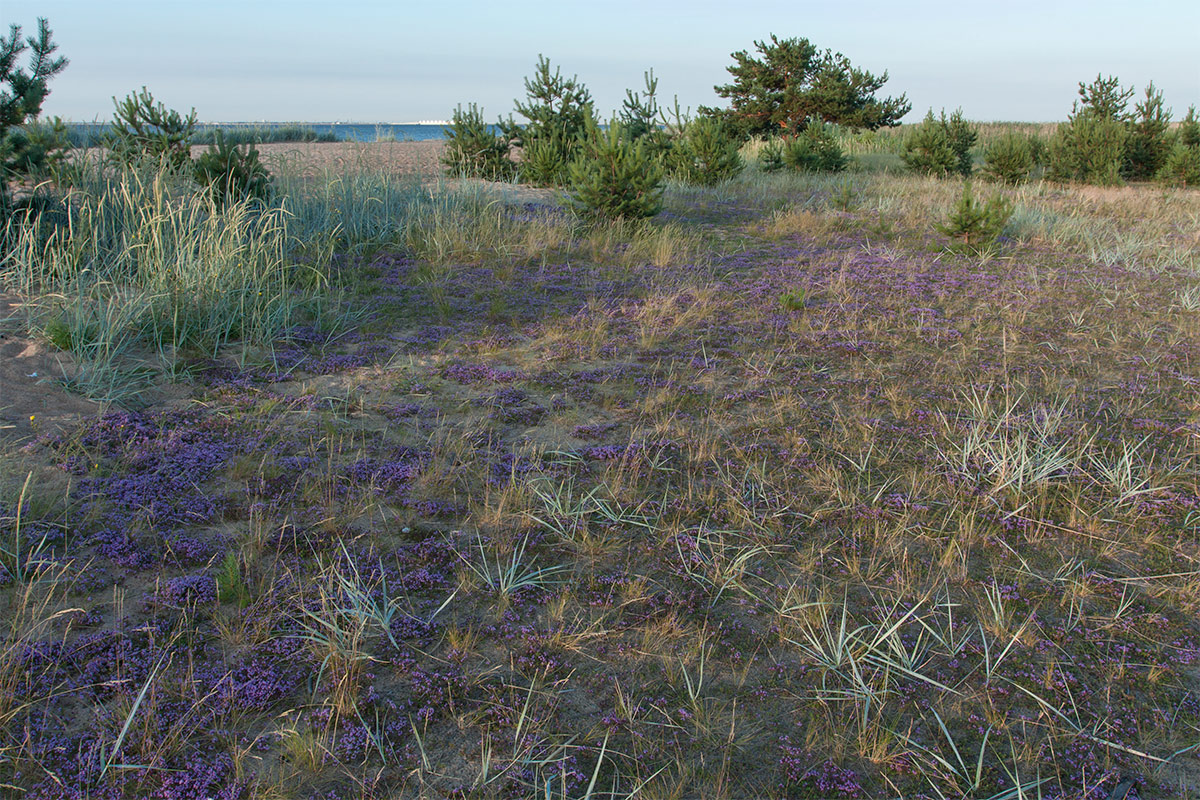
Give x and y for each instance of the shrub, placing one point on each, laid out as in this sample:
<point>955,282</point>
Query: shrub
<point>815,150</point>
<point>940,146</point>
<point>705,153</point>
<point>1189,130</point>
<point>473,150</point>
<point>976,224</point>
<point>21,100</point>
<point>927,148</point>
<point>1009,158</point>
<point>616,176</point>
<point>546,160</point>
<point>1182,166</point>
<point>231,174</point>
<point>770,157</point>
<point>145,130</point>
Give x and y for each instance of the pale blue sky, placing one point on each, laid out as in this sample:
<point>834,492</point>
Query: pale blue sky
<point>376,61</point>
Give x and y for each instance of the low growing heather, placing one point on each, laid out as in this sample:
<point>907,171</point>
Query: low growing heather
<point>771,494</point>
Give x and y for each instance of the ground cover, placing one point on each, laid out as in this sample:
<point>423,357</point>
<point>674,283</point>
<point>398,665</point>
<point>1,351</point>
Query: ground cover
<point>772,495</point>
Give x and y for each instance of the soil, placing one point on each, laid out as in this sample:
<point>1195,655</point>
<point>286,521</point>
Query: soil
<point>32,401</point>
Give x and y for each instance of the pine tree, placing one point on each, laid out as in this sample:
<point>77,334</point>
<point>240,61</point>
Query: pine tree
<point>558,112</point>
<point>1181,167</point>
<point>1090,146</point>
<point>976,224</point>
<point>1189,129</point>
<point>705,153</point>
<point>616,176</point>
<point>22,94</point>
<point>1009,159</point>
<point>1104,98</point>
<point>639,111</point>
<point>1148,145</point>
<point>146,130</point>
<point>962,136</point>
<point>815,150</point>
<point>928,148</point>
<point>473,150</point>
<point>793,81</point>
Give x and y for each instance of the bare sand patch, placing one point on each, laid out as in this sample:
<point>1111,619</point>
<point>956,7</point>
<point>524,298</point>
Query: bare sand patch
<point>31,401</point>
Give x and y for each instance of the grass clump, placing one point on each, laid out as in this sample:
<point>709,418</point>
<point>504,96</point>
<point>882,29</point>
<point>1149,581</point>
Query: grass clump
<point>140,262</point>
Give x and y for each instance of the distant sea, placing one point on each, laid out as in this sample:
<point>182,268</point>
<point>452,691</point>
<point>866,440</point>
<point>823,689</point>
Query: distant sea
<point>356,131</point>
<point>88,132</point>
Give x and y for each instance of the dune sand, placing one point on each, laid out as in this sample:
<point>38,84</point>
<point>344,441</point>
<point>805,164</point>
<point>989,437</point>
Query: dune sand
<point>313,158</point>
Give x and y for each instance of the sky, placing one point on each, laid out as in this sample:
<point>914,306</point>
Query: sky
<point>403,61</point>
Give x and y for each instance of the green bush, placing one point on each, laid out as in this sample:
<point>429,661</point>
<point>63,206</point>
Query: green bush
<point>705,153</point>
<point>939,146</point>
<point>231,174</point>
<point>546,160</point>
<point>927,148</point>
<point>974,225</point>
<point>145,130</point>
<point>1009,158</point>
<point>473,150</point>
<point>1188,133</point>
<point>1182,166</point>
<point>815,150</point>
<point>615,176</point>
<point>770,157</point>
<point>1088,148</point>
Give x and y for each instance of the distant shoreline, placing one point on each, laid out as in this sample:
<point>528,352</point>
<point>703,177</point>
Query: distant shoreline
<point>88,133</point>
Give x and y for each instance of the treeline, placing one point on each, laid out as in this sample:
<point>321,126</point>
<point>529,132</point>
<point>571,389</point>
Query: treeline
<point>801,102</point>
<point>1102,142</point>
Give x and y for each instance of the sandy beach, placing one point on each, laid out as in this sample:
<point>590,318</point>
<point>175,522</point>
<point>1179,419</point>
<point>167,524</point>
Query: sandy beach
<point>422,158</point>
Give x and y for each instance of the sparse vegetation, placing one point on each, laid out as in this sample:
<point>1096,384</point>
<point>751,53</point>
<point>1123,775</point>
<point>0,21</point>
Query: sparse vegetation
<point>460,491</point>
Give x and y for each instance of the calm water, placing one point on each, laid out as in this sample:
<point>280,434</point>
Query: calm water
<point>86,133</point>
<point>365,132</point>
